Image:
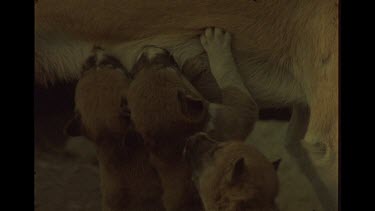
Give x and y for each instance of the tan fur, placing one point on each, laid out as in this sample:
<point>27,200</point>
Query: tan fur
<point>223,186</point>
<point>287,52</point>
<point>128,181</point>
<point>155,90</point>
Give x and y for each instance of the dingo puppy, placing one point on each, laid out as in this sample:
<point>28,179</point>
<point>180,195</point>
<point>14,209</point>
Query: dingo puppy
<point>128,181</point>
<point>232,176</point>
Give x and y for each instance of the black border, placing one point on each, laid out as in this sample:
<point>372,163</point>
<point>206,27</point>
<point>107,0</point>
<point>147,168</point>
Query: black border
<point>17,102</point>
<point>354,107</point>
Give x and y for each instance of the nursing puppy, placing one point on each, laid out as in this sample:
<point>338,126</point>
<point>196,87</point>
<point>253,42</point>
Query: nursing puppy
<point>128,181</point>
<point>166,109</point>
<point>232,176</point>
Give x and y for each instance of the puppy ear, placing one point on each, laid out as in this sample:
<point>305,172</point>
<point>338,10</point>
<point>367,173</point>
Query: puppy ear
<point>237,171</point>
<point>191,107</point>
<point>73,126</point>
<point>276,164</point>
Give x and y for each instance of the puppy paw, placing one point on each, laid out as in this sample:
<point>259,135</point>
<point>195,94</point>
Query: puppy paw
<point>216,41</point>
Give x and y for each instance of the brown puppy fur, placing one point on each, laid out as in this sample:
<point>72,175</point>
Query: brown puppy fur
<point>166,109</point>
<point>128,181</point>
<point>157,115</point>
<point>232,176</point>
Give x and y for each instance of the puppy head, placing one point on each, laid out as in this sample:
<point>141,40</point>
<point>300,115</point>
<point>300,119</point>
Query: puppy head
<point>101,106</point>
<point>231,175</point>
<point>163,104</point>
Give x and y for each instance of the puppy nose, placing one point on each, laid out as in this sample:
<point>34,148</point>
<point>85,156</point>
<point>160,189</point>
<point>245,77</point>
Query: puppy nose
<point>156,56</point>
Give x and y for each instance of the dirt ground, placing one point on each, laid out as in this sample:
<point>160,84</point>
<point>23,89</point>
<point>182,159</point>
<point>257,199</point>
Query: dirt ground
<point>67,178</point>
<point>65,183</point>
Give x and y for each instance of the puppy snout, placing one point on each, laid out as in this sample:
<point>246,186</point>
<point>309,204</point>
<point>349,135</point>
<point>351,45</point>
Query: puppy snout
<point>157,56</point>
